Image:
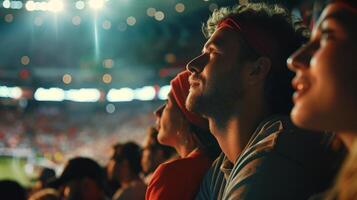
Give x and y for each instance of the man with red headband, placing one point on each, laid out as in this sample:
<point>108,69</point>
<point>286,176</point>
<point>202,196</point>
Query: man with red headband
<point>241,84</point>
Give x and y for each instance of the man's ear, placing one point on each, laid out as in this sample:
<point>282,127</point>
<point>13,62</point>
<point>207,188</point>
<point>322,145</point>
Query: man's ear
<point>259,70</point>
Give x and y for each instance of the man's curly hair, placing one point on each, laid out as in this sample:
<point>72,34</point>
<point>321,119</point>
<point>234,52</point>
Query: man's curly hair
<point>284,29</point>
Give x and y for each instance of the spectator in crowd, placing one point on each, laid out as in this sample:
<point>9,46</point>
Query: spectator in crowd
<point>45,176</point>
<point>81,179</point>
<point>188,133</point>
<point>241,83</point>
<point>10,190</point>
<point>154,154</point>
<point>125,166</point>
<point>326,86</point>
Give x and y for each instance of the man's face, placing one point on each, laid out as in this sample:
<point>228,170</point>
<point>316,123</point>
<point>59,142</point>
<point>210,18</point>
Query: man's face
<point>217,79</point>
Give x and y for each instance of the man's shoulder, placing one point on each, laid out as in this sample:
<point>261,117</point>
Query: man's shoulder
<point>281,155</point>
<point>278,135</point>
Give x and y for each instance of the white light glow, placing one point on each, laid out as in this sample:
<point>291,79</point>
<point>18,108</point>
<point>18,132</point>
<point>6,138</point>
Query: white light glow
<point>120,95</point>
<point>6,4</point>
<point>52,94</point>
<point>83,95</point>
<point>80,5</point>
<point>10,92</point>
<point>30,6</point>
<point>145,93</point>
<point>55,5</point>
<point>164,92</point>
<point>110,108</point>
<point>16,4</point>
<point>96,4</point>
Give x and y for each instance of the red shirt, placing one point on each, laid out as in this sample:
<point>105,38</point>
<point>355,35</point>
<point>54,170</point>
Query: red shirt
<point>179,179</point>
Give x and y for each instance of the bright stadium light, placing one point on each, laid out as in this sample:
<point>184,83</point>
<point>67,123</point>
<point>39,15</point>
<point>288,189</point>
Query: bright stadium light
<point>30,6</point>
<point>80,5</point>
<point>16,4</point>
<point>146,93</point>
<point>6,4</point>
<point>96,4</point>
<point>15,92</point>
<point>55,5</point>
<point>52,94</point>
<point>120,95</point>
<point>164,92</point>
<point>10,92</point>
<point>83,95</point>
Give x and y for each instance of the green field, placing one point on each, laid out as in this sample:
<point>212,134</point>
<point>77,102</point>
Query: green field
<point>14,169</point>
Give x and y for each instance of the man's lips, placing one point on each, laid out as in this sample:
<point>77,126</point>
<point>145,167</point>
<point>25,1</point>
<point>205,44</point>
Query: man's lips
<point>194,81</point>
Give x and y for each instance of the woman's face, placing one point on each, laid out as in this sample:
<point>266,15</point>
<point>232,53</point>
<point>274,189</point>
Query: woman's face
<point>170,121</point>
<point>326,69</point>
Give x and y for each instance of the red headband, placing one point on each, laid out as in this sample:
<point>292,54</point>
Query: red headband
<point>180,88</point>
<point>346,5</point>
<point>260,40</point>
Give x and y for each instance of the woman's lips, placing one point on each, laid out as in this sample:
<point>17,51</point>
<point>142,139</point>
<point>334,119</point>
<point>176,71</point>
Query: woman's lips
<point>301,85</point>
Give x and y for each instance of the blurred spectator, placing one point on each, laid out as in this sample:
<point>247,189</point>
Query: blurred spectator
<point>11,190</point>
<point>46,175</point>
<point>125,167</point>
<point>154,154</point>
<point>82,179</point>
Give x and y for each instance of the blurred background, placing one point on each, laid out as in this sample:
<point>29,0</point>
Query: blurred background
<point>78,76</point>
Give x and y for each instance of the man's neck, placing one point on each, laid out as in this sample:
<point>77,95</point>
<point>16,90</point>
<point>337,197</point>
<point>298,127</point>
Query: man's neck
<point>234,133</point>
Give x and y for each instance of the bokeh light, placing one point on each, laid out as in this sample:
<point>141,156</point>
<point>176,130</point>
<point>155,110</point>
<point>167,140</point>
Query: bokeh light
<point>159,16</point>
<point>151,12</point>
<point>110,108</point>
<point>107,78</point>
<point>38,21</point>
<point>80,5</point>
<point>25,60</point>
<point>67,79</point>
<point>180,7</point>
<point>108,63</point>
<point>107,25</point>
<point>9,18</point>
<point>76,20</point>
<point>6,4</point>
<point>96,4</point>
<point>131,21</point>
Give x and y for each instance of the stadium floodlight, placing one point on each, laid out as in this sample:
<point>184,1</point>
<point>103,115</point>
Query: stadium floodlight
<point>6,4</point>
<point>83,95</point>
<point>146,93</point>
<point>30,5</point>
<point>55,5</point>
<point>96,4</point>
<point>52,94</point>
<point>164,92</point>
<point>120,95</point>
<point>10,92</point>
